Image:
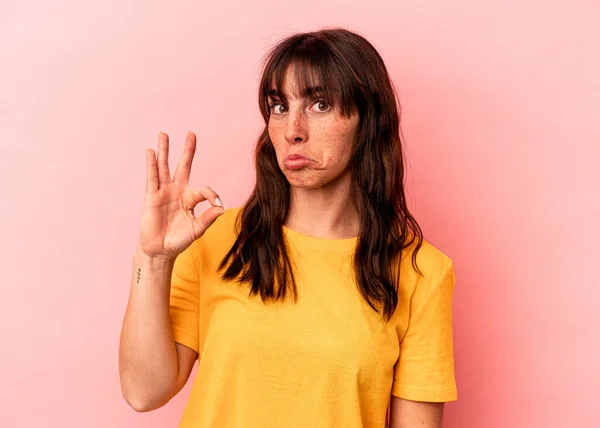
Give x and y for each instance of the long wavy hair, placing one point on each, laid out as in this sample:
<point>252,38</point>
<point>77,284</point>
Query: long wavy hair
<point>353,78</point>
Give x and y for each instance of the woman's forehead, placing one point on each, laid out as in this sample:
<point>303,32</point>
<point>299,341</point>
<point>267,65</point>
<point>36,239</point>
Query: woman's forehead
<point>306,92</point>
<point>304,84</point>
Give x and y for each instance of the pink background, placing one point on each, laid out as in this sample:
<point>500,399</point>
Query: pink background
<point>501,118</point>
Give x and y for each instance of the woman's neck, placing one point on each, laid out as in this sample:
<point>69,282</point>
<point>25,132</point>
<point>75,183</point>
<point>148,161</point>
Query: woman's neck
<point>325,212</point>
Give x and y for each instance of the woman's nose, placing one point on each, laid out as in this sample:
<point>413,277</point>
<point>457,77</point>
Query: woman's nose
<point>296,127</point>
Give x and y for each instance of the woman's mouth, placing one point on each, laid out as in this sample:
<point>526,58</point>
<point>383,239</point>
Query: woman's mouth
<point>296,161</point>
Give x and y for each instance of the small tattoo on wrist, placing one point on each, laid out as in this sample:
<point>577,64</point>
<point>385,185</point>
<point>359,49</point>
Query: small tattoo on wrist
<point>139,274</point>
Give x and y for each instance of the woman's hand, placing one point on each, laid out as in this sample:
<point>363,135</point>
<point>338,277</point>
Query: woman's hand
<point>168,224</point>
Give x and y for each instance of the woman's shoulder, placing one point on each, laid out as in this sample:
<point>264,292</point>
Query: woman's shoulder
<point>436,269</point>
<point>429,257</point>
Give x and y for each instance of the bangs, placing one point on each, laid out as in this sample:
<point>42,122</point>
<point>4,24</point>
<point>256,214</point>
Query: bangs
<point>317,74</point>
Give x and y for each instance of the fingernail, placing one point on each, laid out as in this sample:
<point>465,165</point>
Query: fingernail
<point>218,201</point>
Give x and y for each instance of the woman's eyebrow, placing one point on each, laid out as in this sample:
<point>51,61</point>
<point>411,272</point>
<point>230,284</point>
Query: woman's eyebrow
<point>306,92</point>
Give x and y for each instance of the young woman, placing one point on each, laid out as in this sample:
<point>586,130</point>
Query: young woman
<point>316,304</point>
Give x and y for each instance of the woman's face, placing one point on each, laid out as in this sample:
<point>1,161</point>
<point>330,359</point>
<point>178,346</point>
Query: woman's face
<point>314,129</point>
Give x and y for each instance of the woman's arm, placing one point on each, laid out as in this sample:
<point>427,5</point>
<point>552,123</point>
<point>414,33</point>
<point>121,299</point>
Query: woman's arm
<point>153,368</point>
<point>413,414</point>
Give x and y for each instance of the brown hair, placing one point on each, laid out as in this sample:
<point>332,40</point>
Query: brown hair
<point>354,78</point>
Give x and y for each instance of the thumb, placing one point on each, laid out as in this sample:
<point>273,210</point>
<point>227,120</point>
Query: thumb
<point>207,218</point>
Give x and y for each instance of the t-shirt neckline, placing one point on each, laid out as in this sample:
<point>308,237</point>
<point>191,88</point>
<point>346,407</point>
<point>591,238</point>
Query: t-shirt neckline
<point>322,245</point>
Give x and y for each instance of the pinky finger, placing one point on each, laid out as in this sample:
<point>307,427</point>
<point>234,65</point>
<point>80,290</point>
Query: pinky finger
<point>151,172</point>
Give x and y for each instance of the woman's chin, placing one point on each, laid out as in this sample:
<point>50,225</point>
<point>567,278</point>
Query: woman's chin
<point>306,182</point>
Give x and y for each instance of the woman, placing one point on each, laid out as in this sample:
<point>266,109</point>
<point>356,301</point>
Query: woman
<point>316,302</point>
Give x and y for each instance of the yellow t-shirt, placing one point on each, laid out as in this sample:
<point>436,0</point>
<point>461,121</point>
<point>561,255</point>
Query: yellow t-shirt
<point>328,360</point>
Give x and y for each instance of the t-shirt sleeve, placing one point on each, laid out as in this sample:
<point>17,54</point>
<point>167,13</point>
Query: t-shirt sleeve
<point>425,368</point>
<point>184,300</point>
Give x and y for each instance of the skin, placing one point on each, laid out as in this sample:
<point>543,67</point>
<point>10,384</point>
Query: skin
<point>413,414</point>
<point>321,204</point>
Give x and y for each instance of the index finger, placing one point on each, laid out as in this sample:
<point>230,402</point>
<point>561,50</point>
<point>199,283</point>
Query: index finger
<point>184,167</point>
<point>151,172</point>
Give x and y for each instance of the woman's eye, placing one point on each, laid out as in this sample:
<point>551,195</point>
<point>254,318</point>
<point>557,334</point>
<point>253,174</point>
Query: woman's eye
<point>322,106</point>
<point>321,102</point>
<point>273,108</point>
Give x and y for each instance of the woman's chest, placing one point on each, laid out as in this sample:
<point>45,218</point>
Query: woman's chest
<point>329,328</point>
